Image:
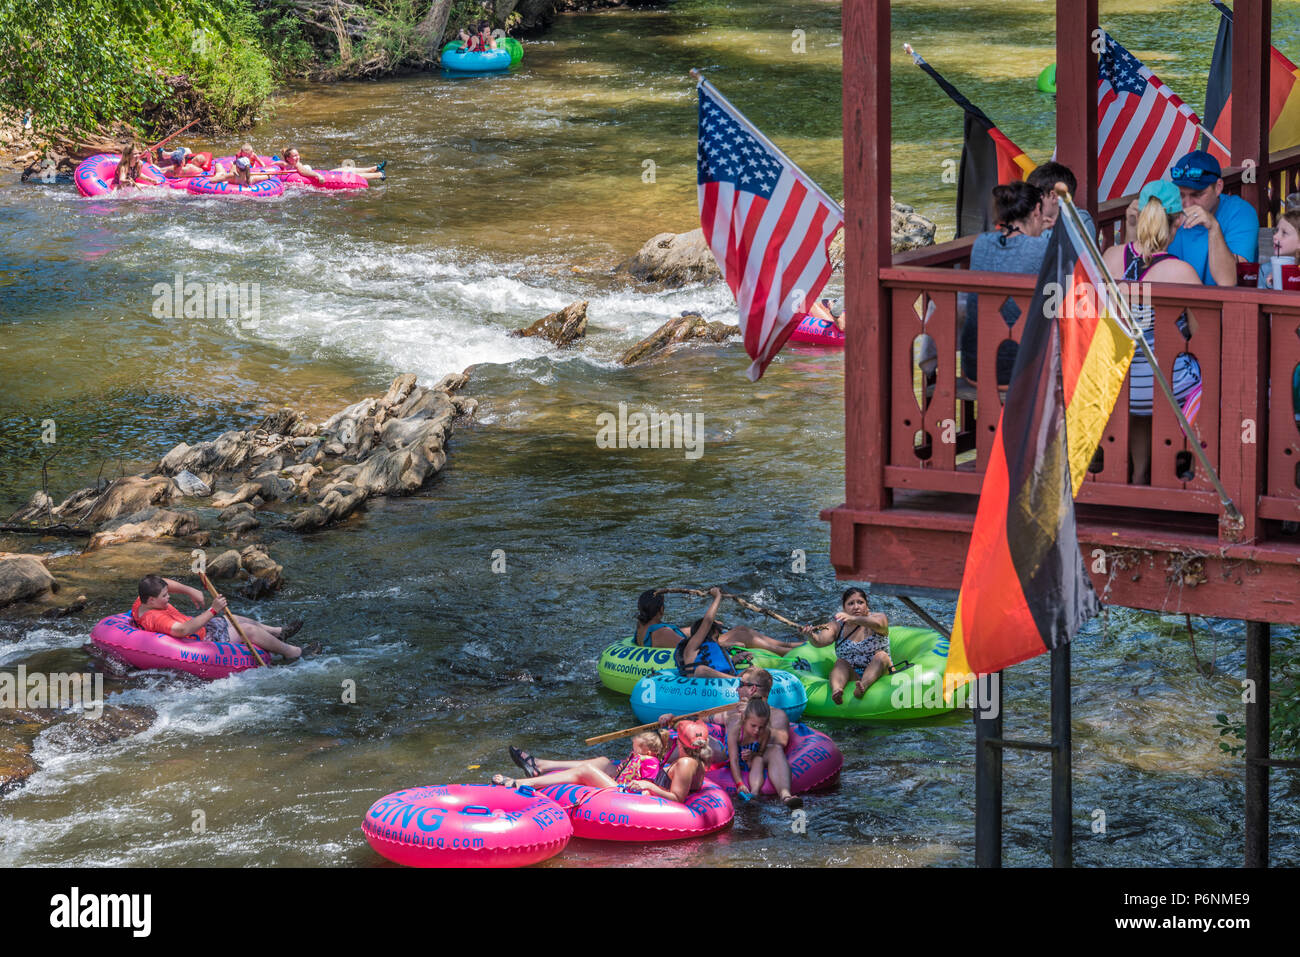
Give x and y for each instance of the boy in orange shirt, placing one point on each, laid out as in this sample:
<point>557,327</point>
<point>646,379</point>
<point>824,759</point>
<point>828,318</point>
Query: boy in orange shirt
<point>154,612</point>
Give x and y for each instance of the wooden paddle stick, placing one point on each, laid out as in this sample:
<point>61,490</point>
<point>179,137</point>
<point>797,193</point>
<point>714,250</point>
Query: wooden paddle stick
<point>629,732</point>
<point>231,618</point>
<point>172,137</point>
<point>742,602</point>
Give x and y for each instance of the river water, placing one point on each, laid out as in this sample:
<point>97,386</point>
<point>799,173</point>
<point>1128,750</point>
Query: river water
<point>510,197</point>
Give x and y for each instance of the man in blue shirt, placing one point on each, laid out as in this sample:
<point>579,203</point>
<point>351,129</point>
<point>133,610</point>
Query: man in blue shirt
<point>1218,231</point>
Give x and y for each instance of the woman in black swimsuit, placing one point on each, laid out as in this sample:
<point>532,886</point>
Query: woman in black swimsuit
<point>861,639</point>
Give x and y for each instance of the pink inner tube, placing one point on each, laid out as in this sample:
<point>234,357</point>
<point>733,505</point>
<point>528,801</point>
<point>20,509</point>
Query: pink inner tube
<point>333,180</point>
<point>815,762</point>
<point>94,175</point>
<point>818,332</point>
<point>118,635</point>
<point>204,186</point>
<point>466,825</point>
<point>613,814</point>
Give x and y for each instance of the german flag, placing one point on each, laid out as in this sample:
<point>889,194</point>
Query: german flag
<point>1283,96</point>
<point>988,158</point>
<point>1025,589</point>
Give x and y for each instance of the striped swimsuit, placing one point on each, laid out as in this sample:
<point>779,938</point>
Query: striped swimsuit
<point>1187,373</point>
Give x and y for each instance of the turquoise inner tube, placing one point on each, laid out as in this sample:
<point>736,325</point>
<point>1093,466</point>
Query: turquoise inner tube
<point>466,61</point>
<point>667,692</point>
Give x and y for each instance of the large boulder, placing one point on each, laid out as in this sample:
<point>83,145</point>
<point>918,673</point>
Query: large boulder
<point>562,328</point>
<point>146,525</point>
<point>674,259</point>
<point>24,578</point>
<point>226,453</point>
<point>681,329</point>
<point>908,229</point>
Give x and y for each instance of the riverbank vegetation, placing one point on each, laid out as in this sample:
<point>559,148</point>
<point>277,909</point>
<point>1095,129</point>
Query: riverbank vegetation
<point>81,68</point>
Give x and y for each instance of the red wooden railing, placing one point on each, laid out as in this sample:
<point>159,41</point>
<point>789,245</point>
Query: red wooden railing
<point>940,427</point>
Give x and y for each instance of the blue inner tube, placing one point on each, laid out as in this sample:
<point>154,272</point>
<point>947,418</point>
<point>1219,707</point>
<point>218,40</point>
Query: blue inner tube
<point>667,692</point>
<point>485,61</point>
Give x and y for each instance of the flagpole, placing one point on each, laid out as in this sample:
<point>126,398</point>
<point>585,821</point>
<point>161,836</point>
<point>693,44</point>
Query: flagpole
<point>1121,302</point>
<point>758,135</point>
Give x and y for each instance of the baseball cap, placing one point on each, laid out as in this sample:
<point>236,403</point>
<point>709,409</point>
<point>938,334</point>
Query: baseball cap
<point>243,162</point>
<point>179,154</point>
<point>1197,170</point>
<point>1166,192</point>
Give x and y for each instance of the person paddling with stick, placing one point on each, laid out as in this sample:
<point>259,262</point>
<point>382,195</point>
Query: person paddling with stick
<point>152,611</point>
<point>651,631</point>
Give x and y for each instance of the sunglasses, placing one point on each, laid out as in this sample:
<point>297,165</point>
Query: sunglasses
<point>1191,172</point>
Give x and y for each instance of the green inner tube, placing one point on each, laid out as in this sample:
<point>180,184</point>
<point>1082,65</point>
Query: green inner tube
<point>514,46</point>
<point>1047,79</point>
<point>915,692</point>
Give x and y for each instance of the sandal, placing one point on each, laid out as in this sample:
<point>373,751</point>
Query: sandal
<point>793,802</point>
<point>500,780</point>
<point>525,761</point>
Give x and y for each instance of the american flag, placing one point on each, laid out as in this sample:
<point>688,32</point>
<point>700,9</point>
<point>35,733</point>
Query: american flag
<point>767,223</point>
<point>1142,124</point>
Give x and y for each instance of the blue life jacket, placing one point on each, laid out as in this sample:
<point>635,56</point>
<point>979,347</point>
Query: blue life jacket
<point>710,654</point>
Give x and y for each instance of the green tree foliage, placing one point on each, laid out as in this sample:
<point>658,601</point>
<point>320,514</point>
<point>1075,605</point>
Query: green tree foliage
<point>77,64</point>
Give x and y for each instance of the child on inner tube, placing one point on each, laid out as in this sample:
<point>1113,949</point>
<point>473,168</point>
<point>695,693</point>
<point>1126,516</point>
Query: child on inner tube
<point>747,742</point>
<point>178,163</point>
<point>643,763</point>
<point>700,655</point>
<point>651,631</point>
<point>129,168</point>
<point>241,173</point>
<point>676,782</point>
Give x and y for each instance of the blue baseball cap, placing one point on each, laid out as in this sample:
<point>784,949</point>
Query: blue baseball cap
<point>1197,170</point>
<point>1166,192</point>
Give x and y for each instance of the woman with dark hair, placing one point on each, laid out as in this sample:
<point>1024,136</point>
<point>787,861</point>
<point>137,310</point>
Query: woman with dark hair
<point>1017,244</point>
<point>862,652</point>
<point>651,630</point>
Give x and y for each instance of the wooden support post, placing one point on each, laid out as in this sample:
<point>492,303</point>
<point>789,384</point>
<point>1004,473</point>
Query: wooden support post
<point>1062,790</point>
<point>1076,96</point>
<point>1251,39</point>
<point>1257,744</point>
<point>988,780</point>
<point>866,247</point>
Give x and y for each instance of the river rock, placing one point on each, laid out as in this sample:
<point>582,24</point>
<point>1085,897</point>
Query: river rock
<point>264,574</point>
<point>908,229</point>
<point>16,764</point>
<point>226,453</point>
<point>81,732</point>
<point>191,485</point>
<point>78,605</point>
<point>674,259</point>
<point>242,494</point>
<point>682,329</point>
<point>224,566</point>
<point>334,506</point>
<point>147,524</point>
<point>562,328</point>
<point>24,578</point>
